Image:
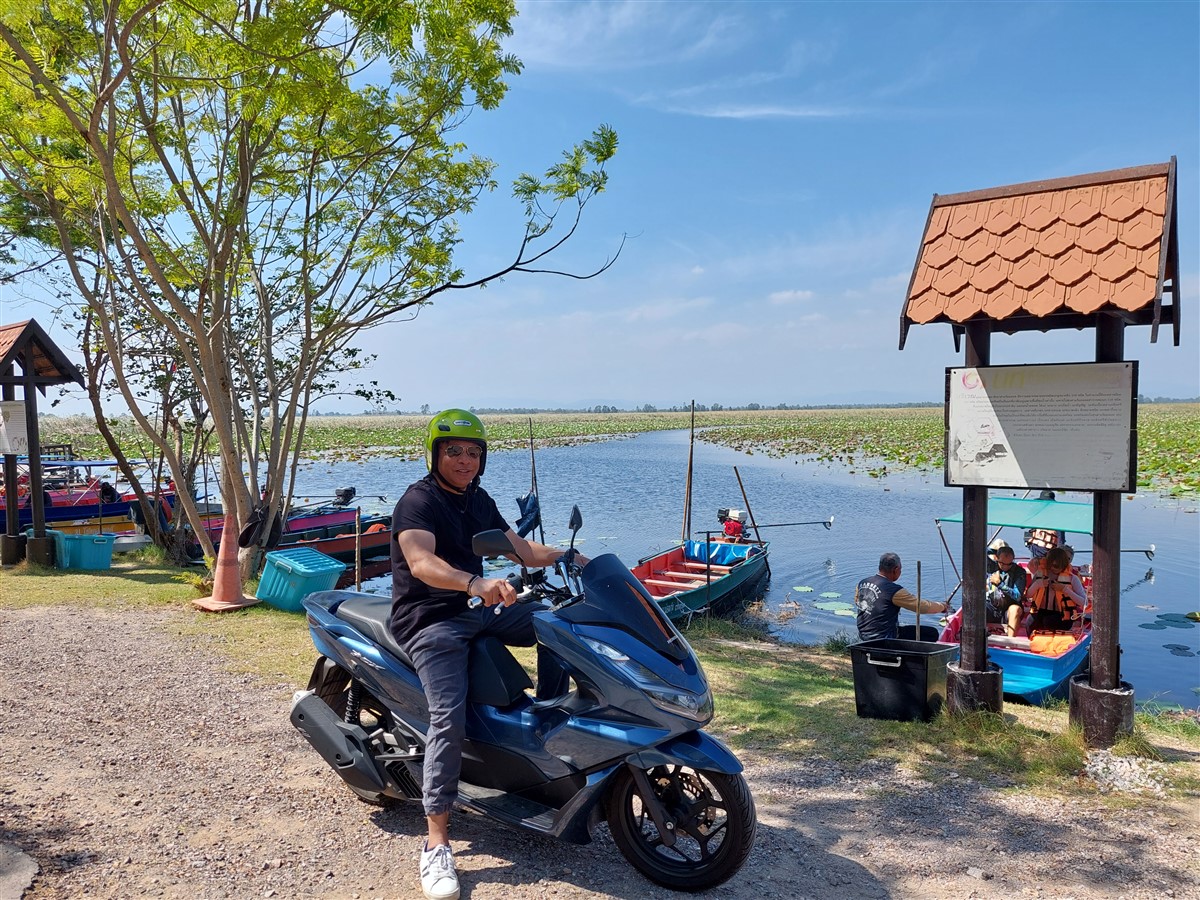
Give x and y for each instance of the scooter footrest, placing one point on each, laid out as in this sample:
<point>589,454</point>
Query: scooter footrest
<point>509,808</point>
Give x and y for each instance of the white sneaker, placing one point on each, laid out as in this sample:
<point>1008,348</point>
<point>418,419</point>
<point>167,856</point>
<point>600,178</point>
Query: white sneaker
<point>439,879</point>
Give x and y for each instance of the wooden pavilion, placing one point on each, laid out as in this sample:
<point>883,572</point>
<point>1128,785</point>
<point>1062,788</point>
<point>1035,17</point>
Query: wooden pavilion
<point>26,346</point>
<point>1093,251</point>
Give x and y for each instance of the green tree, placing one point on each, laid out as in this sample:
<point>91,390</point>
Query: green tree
<point>256,183</point>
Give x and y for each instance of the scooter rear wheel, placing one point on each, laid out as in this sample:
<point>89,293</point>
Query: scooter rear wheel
<point>714,826</point>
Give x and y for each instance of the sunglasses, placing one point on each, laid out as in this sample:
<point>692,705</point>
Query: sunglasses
<point>454,451</point>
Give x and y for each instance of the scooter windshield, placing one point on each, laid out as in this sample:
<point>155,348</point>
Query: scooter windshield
<point>614,598</point>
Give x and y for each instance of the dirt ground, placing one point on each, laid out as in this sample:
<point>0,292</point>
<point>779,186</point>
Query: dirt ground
<point>133,765</point>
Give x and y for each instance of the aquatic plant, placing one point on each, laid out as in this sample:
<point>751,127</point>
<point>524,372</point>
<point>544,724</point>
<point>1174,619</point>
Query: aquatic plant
<point>874,439</point>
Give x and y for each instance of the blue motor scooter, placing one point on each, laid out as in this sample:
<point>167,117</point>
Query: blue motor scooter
<point>625,744</point>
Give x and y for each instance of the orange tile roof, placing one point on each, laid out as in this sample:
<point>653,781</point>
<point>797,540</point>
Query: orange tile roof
<point>27,345</point>
<point>1051,254</point>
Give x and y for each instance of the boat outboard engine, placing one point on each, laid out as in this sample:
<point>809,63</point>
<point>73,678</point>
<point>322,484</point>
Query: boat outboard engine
<point>342,496</point>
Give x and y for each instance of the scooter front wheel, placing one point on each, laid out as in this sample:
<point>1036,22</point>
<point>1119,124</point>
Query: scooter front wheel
<point>710,814</point>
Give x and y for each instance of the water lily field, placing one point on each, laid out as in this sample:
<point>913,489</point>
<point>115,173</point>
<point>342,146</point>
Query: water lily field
<point>869,440</point>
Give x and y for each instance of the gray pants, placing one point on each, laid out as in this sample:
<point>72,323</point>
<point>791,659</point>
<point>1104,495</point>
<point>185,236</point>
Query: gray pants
<point>439,653</point>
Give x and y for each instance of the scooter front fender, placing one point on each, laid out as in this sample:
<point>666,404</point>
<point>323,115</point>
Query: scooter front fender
<point>696,750</point>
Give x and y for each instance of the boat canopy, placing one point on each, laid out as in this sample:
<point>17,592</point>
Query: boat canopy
<point>1053,515</point>
<point>72,463</point>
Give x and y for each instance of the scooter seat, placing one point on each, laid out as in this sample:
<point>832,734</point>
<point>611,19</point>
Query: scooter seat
<point>495,678</point>
<point>369,613</point>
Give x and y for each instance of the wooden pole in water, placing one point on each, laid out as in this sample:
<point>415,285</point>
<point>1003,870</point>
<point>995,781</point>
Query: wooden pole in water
<point>533,483</point>
<point>750,513</point>
<point>919,600</point>
<point>687,489</point>
<point>358,548</point>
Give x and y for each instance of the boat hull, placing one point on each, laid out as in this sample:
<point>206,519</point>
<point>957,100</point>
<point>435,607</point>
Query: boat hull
<point>715,588</point>
<point>339,541</point>
<point>114,512</point>
<point>309,520</point>
<point>1034,677</point>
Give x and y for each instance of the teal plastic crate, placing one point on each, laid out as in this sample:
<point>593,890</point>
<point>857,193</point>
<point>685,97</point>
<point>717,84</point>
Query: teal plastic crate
<point>62,550</point>
<point>85,551</point>
<point>291,575</point>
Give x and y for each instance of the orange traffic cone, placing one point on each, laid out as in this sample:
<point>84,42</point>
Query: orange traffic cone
<point>227,580</point>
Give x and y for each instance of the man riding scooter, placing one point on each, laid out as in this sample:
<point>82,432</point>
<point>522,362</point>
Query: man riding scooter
<point>434,574</point>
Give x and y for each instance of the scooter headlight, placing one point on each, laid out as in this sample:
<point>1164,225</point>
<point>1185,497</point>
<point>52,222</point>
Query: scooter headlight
<point>661,694</point>
<point>684,703</point>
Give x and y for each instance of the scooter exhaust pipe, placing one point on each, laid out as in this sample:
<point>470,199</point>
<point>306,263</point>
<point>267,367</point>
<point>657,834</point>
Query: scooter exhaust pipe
<point>344,746</point>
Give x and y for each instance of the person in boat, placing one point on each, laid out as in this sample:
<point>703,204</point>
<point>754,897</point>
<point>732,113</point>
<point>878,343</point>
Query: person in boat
<point>1034,572</point>
<point>434,572</point>
<point>1057,596</point>
<point>1041,541</point>
<point>879,600</point>
<point>994,548</point>
<point>1005,590</point>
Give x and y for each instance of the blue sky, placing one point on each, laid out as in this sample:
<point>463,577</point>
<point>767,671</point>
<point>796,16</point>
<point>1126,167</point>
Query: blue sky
<point>776,165</point>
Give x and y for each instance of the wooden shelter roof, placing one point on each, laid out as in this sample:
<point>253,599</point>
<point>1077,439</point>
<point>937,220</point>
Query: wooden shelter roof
<point>28,345</point>
<point>1051,254</point>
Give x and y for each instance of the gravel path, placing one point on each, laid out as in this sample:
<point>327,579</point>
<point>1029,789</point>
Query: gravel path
<point>132,765</point>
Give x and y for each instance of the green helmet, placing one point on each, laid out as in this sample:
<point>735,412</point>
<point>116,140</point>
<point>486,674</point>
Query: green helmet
<point>455,424</point>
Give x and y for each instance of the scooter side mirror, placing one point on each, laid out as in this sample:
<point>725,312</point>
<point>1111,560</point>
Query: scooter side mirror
<point>576,521</point>
<point>491,543</point>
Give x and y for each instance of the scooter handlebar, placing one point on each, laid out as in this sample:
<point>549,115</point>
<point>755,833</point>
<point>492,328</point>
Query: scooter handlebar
<point>524,594</point>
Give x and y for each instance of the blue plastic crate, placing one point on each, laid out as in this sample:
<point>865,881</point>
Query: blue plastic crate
<point>291,575</point>
<point>85,551</point>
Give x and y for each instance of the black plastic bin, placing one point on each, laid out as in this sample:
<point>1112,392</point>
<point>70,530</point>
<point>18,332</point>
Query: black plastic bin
<point>900,680</point>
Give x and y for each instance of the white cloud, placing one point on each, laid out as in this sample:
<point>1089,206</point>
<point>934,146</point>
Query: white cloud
<point>612,35</point>
<point>779,298</point>
<point>751,110</point>
<point>719,334</point>
<point>666,309</point>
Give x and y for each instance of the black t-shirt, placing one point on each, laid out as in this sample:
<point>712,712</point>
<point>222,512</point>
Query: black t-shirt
<point>878,616</point>
<point>452,519</point>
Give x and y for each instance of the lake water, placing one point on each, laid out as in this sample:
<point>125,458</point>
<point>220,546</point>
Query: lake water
<point>631,494</point>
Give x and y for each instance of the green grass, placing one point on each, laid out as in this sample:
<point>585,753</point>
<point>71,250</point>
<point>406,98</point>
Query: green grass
<point>771,698</point>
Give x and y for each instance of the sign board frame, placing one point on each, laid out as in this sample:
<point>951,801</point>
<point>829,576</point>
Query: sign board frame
<point>14,431</point>
<point>1066,426</point>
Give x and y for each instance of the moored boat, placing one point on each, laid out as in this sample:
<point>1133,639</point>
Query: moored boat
<point>704,576</point>
<point>716,575</point>
<point>305,519</point>
<point>317,522</point>
<point>1040,666</point>
<point>341,542</point>
<point>66,505</point>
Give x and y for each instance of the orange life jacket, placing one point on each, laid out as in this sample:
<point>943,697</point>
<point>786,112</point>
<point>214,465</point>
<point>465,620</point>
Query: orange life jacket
<point>1041,597</point>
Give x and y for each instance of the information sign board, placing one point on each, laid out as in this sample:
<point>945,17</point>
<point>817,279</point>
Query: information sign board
<point>14,436</point>
<point>1070,426</point>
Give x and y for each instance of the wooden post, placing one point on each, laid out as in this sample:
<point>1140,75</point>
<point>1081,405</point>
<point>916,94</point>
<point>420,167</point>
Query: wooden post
<point>38,548</point>
<point>974,632</point>
<point>11,548</point>
<point>1106,543</point>
<point>1101,703</point>
<point>972,683</point>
